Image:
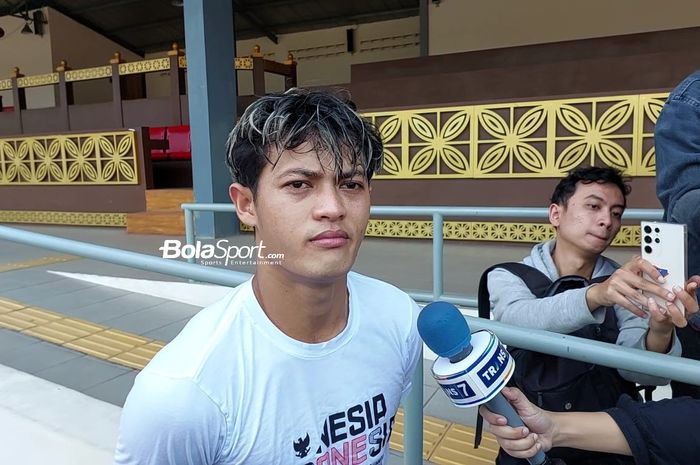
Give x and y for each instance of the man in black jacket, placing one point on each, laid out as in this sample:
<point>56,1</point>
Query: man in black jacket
<point>677,141</point>
<point>655,433</point>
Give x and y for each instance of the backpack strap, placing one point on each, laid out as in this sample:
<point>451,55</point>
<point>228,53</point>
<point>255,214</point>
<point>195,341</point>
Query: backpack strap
<point>534,279</point>
<point>599,279</point>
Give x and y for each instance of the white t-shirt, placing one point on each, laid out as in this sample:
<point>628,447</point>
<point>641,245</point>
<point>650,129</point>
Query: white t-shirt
<point>231,388</point>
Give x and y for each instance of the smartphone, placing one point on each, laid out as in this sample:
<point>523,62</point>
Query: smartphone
<point>664,245</point>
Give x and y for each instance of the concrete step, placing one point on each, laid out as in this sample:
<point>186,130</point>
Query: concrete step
<point>167,199</point>
<point>167,222</point>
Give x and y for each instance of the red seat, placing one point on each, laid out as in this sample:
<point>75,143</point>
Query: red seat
<point>158,134</point>
<point>179,140</point>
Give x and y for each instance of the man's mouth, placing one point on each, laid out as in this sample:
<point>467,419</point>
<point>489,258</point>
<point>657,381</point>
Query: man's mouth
<point>331,239</point>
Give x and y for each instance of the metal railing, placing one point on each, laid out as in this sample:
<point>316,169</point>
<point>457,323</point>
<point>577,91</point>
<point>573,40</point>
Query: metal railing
<point>660,365</point>
<point>437,214</point>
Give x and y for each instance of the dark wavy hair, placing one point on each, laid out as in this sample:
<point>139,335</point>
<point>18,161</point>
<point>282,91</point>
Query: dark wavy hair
<point>285,121</point>
<point>586,175</point>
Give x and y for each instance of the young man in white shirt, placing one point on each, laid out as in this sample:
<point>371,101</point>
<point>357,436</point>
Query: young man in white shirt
<point>306,362</point>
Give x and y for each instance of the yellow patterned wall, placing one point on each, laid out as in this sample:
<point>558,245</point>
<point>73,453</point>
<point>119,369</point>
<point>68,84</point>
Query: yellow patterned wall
<point>529,233</point>
<point>38,80</point>
<point>102,158</point>
<point>64,218</point>
<point>481,231</point>
<point>239,62</point>
<point>520,140</point>
<point>144,66</point>
<point>86,74</point>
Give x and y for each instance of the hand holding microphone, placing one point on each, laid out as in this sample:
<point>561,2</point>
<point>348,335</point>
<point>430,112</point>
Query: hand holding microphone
<point>471,368</point>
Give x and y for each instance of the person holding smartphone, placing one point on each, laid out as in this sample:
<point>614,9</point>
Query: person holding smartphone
<point>586,211</point>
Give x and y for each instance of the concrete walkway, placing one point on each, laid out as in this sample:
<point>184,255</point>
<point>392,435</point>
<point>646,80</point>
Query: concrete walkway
<point>42,422</point>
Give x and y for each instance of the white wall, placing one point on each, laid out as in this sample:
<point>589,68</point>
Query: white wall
<point>322,56</point>
<point>82,47</point>
<point>158,83</point>
<point>32,54</point>
<point>63,39</point>
<point>465,25</point>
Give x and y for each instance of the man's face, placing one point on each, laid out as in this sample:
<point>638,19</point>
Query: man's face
<point>304,211</point>
<point>591,218</point>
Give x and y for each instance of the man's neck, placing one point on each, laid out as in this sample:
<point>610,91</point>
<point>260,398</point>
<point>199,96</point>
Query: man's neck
<point>571,261</point>
<point>306,312</point>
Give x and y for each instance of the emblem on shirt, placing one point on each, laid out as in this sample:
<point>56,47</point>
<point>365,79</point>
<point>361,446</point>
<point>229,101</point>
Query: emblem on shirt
<point>353,436</point>
<point>301,446</point>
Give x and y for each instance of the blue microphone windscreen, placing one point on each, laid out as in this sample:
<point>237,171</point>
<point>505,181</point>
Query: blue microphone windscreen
<point>444,329</point>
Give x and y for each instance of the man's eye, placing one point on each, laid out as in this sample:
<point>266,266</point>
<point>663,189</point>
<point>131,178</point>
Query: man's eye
<point>297,184</point>
<point>593,206</point>
<point>352,185</point>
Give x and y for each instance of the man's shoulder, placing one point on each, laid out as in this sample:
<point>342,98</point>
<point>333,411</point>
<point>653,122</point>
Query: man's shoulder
<point>503,276</point>
<point>382,300</point>
<point>688,91</point>
<point>367,284</point>
<point>607,266</point>
<point>513,270</point>
<point>207,332</point>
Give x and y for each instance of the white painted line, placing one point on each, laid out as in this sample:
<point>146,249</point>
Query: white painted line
<point>199,295</point>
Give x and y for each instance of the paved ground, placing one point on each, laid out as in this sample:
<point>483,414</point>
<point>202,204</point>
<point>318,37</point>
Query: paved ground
<point>42,422</point>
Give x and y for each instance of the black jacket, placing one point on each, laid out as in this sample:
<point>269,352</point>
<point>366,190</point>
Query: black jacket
<point>666,432</point>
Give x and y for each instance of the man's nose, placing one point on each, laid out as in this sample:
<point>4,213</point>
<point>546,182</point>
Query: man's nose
<point>329,204</point>
<point>605,219</point>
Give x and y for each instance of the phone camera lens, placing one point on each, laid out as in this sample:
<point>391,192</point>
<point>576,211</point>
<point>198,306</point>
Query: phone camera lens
<point>647,249</point>
<point>647,229</point>
<point>647,239</point>
<point>656,230</point>
<point>657,240</point>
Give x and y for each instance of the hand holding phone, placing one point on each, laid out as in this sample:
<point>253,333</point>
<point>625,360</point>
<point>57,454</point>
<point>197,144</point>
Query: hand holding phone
<point>664,246</point>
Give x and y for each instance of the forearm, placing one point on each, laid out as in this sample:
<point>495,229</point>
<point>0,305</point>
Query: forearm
<point>595,431</point>
<point>633,334</point>
<point>594,297</point>
<point>659,341</point>
<point>562,313</point>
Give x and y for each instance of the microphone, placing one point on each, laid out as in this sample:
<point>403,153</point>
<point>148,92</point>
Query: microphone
<point>471,368</point>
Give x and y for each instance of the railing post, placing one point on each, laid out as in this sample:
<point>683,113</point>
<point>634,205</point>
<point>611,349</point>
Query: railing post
<point>145,142</point>
<point>189,231</point>
<point>437,255</point>
<point>290,80</point>
<point>19,99</point>
<point>413,418</point>
<point>117,88</point>
<point>65,93</point>
<point>177,84</point>
<point>258,72</point>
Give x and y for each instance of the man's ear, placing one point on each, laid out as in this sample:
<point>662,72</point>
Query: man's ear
<point>242,198</point>
<point>555,211</point>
